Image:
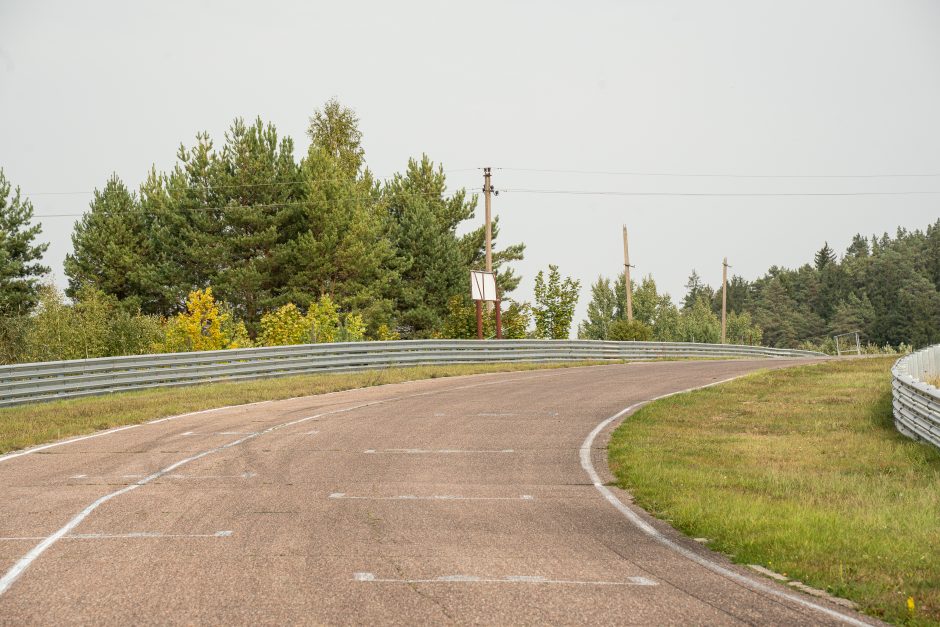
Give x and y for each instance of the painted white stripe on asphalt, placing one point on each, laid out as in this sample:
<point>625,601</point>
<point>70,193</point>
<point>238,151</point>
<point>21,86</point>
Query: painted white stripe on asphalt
<point>36,449</point>
<point>132,534</point>
<point>433,497</point>
<point>426,451</point>
<point>588,465</point>
<point>512,579</point>
<point>244,475</point>
<point>24,562</point>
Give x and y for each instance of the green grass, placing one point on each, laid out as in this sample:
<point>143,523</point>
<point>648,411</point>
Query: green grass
<point>28,425</point>
<point>801,471</point>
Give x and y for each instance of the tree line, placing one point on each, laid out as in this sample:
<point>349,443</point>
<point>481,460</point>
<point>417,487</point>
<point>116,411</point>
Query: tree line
<point>250,246</point>
<point>242,244</point>
<point>887,289</point>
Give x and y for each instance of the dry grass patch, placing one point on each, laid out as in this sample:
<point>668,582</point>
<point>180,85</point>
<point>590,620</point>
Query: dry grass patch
<point>801,471</point>
<point>28,425</point>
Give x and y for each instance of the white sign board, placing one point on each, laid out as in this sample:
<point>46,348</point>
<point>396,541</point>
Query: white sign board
<point>482,285</point>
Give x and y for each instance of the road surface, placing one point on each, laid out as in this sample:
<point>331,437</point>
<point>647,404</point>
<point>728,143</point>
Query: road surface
<point>466,500</point>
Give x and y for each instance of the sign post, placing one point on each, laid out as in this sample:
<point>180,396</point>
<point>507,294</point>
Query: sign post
<point>483,289</point>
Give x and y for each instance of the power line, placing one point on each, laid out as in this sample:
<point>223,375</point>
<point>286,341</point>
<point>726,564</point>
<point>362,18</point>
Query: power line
<point>720,175</point>
<point>587,192</point>
<point>211,188</point>
<point>279,205</point>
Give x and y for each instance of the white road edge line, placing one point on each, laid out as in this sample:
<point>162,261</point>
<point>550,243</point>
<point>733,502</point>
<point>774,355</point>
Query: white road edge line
<point>36,449</point>
<point>132,534</point>
<point>433,497</point>
<point>630,581</point>
<point>20,566</point>
<point>588,465</point>
<point>439,451</point>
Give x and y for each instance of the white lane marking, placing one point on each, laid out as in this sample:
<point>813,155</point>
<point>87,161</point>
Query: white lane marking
<point>219,433</point>
<point>24,562</point>
<point>439,451</point>
<point>36,449</point>
<point>433,497</point>
<point>530,579</point>
<point>588,465</point>
<point>132,534</point>
<point>244,475</point>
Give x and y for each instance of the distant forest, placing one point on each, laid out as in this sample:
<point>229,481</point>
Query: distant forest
<point>887,289</point>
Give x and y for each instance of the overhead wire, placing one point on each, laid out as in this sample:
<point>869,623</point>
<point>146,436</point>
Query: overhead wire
<point>722,175</point>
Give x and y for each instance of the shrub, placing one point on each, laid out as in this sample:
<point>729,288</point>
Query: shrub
<point>624,331</point>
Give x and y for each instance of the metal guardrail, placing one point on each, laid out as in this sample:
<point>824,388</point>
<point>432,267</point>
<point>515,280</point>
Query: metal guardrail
<point>916,402</point>
<point>24,383</point>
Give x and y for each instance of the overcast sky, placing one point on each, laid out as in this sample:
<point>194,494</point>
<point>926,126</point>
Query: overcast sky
<point>743,88</point>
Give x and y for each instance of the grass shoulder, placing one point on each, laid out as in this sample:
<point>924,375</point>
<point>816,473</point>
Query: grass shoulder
<point>800,471</point>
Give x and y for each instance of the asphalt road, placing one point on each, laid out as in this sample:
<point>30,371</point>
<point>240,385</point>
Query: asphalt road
<point>466,500</point>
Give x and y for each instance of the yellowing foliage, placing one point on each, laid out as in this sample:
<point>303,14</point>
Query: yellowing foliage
<point>203,327</point>
<point>284,326</point>
<point>324,320</point>
<point>354,329</point>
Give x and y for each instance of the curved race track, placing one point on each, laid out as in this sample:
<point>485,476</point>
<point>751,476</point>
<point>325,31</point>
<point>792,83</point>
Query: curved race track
<point>466,500</point>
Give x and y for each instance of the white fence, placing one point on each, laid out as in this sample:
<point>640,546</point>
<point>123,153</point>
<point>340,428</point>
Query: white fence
<point>916,402</point>
<point>23,383</point>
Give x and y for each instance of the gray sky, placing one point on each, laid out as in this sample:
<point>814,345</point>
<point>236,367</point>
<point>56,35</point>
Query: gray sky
<point>744,87</point>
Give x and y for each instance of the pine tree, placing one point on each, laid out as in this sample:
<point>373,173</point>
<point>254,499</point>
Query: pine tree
<point>824,257</point>
<point>20,269</point>
<point>696,289</point>
<point>109,246</point>
<point>429,257</point>
<point>337,239</point>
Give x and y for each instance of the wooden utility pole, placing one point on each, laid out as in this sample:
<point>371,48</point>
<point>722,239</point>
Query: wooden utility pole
<point>724,298</point>
<point>626,275</point>
<point>487,191</point>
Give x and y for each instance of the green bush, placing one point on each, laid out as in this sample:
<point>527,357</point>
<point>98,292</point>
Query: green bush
<point>623,331</point>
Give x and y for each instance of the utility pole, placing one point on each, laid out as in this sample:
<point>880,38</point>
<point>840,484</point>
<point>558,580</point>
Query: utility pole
<point>487,191</point>
<point>626,275</point>
<point>724,297</point>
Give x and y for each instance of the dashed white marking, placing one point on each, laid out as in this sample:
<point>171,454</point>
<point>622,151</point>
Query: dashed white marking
<point>438,451</point>
<point>244,475</point>
<point>20,566</point>
<point>218,433</point>
<point>511,579</point>
<point>132,534</point>
<point>588,465</point>
<point>433,497</point>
